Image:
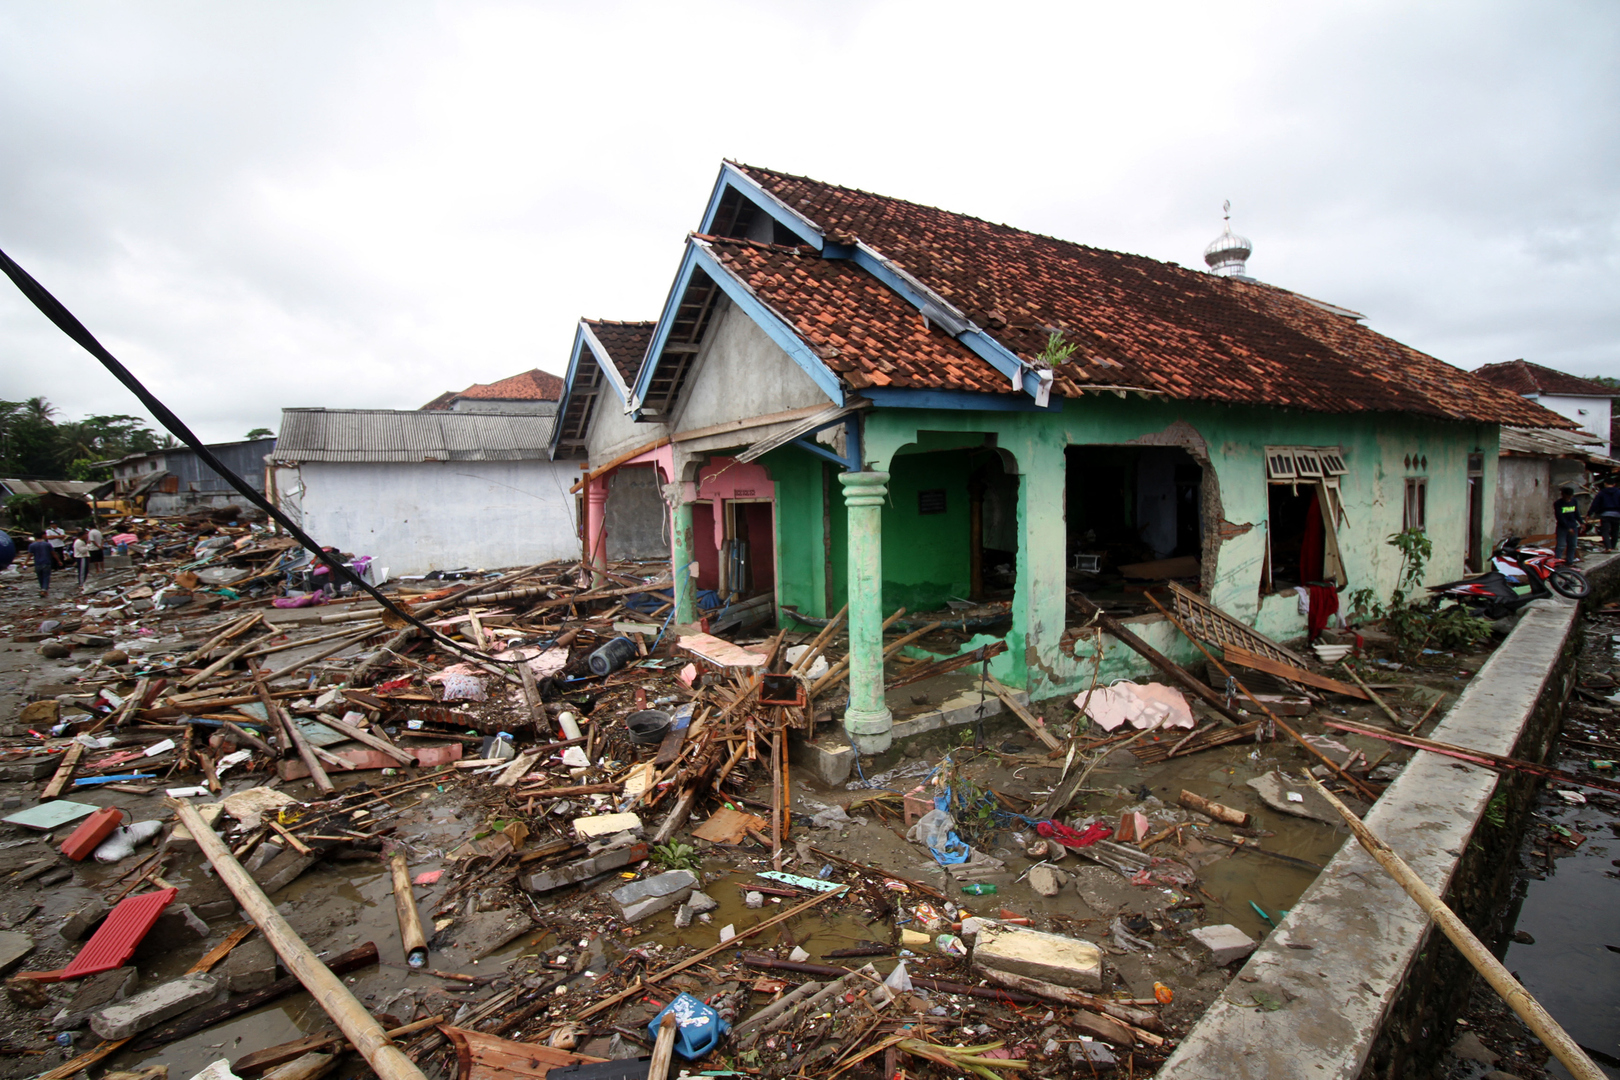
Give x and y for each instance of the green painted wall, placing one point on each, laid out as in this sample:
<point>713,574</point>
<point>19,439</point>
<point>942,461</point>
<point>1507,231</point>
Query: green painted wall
<point>912,445</point>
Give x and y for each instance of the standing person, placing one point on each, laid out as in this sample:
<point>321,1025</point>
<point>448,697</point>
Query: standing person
<point>1567,523</point>
<point>1606,508</point>
<point>58,540</point>
<point>81,556</point>
<point>97,548</point>
<point>44,561</point>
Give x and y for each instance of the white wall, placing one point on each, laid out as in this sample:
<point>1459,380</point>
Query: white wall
<point>742,373</point>
<point>612,432</point>
<point>443,515</point>
<point>1592,414</point>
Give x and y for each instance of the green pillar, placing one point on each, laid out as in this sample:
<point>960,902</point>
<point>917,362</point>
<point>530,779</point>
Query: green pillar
<point>867,719</point>
<point>681,559</point>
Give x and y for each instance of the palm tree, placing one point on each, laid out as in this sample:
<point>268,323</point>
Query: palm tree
<point>40,409</point>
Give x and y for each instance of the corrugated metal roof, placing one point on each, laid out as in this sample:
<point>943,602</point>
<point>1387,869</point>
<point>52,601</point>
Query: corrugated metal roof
<point>401,435</point>
<point>73,489</point>
<point>1550,442</point>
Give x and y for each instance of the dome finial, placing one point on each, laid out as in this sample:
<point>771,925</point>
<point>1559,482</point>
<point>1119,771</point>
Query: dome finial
<point>1228,256</point>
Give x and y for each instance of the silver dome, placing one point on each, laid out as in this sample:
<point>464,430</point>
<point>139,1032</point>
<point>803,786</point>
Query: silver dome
<point>1228,255</point>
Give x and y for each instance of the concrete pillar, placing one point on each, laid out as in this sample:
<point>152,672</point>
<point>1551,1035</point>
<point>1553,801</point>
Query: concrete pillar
<point>595,530</point>
<point>681,559</point>
<point>867,719</point>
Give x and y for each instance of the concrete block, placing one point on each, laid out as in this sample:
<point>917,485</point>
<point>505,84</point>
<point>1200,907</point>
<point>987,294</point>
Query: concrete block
<point>1225,943</point>
<point>1051,958</point>
<point>1046,880</point>
<point>282,870</point>
<point>590,828</point>
<point>700,902</point>
<point>136,1014</point>
<point>546,880</point>
<point>251,966</point>
<point>181,840</point>
<point>94,994</point>
<point>84,919</point>
<point>176,930</point>
<point>14,945</point>
<point>648,896</point>
<point>262,854</point>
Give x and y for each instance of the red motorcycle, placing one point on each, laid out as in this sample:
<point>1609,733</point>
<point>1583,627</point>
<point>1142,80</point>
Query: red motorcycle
<point>1496,592</point>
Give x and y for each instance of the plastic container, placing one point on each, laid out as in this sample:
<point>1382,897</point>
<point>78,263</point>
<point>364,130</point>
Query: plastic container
<point>648,727</point>
<point>612,656</point>
<point>497,747</point>
<point>700,1030</point>
<point>569,725</point>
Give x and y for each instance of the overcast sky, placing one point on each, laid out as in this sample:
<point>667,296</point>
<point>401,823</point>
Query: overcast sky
<point>258,205</point>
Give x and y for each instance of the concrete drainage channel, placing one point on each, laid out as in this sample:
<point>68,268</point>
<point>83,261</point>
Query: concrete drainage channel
<point>1355,982</point>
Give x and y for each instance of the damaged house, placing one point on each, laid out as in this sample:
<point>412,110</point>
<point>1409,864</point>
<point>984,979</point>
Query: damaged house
<point>175,480</point>
<point>467,481</point>
<point>853,399</point>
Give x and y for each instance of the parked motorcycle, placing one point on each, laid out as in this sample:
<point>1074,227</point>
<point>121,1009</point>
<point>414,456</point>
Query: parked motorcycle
<point>1497,592</point>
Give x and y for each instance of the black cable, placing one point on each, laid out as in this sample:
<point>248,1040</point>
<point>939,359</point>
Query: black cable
<point>53,310</point>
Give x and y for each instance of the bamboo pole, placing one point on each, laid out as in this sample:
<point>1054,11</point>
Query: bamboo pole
<point>1396,718</point>
<point>232,629</point>
<point>352,1019</point>
<point>820,642</point>
<point>663,1049</point>
<point>1517,998</point>
<point>332,650</point>
<point>289,728</point>
<point>411,938</point>
<point>295,643</point>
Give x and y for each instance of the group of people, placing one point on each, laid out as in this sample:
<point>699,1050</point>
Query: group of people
<point>49,552</point>
<point>1568,519</point>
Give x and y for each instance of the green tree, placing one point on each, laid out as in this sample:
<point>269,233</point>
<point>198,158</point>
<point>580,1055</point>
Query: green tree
<point>261,433</point>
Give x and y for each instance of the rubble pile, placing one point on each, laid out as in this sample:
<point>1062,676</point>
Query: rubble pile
<point>592,821</point>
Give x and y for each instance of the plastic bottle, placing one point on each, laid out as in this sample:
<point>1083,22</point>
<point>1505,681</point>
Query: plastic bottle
<point>979,888</point>
<point>569,725</point>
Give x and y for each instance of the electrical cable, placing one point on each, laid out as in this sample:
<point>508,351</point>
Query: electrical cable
<point>54,310</point>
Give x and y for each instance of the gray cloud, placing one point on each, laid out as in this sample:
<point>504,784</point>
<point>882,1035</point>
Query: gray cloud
<point>261,205</point>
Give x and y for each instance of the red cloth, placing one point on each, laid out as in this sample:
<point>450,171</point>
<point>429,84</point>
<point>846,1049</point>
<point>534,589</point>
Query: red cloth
<point>1324,604</point>
<point>1313,546</point>
<point>1066,836</point>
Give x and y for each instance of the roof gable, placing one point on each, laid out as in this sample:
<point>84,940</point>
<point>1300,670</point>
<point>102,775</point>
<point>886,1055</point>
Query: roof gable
<point>606,355</point>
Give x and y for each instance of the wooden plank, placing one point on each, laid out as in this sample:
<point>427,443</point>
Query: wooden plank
<point>263,1060</point>
<point>365,737</point>
<point>1244,658</point>
<point>1030,721</point>
<point>64,772</point>
<point>1212,624</point>
<point>488,1057</point>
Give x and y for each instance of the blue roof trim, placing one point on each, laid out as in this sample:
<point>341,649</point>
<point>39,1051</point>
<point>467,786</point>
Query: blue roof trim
<point>789,218</point>
<point>944,314</point>
<point>699,257</point>
<point>568,386</point>
<point>894,398</point>
<point>610,370</point>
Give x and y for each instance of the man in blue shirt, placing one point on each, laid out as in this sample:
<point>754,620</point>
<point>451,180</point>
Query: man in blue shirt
<point>1606,508</point>
<point>1567,523</point>
<point>44,559</point>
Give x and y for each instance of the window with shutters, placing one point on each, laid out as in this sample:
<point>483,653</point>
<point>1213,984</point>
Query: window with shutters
<point>1305,513</point>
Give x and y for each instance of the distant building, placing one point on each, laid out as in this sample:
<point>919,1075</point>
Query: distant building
<point>1586,402</point>
<point>175,480</point>
<point>428,489</point>
<point>533,393</point>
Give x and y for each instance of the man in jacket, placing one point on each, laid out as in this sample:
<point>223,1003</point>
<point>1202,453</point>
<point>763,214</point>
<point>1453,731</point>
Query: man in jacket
<point>1606,508</point>
<point>1567,524</point>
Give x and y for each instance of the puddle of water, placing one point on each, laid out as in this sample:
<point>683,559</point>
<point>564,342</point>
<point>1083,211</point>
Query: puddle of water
<point>1568,969</point>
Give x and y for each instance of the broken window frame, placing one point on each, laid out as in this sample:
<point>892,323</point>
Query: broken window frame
<point>1321,467</point>
<point>1415,504</point>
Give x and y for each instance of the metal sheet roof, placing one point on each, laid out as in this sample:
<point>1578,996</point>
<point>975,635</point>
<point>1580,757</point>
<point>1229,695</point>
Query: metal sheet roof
<point>1551,442</point>
<point>401,435</point>
<point>73,489</point>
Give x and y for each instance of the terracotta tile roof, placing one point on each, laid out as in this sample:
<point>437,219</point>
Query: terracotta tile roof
<point>626,343</point>
<point>1136,321</point>
<point>532,385</point>
<point>1523,377</point>
<point>861,328</point>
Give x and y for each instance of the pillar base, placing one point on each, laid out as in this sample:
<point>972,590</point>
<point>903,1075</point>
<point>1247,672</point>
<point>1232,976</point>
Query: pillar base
<point>871,732</point>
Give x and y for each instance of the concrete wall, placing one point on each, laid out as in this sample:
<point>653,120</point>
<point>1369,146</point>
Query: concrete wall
<point>1592,414</point>
<point>1524,497</point>
<point>612,433</point>
<point>635,515</point>
<point>742,373</point>
<point>417,517</point>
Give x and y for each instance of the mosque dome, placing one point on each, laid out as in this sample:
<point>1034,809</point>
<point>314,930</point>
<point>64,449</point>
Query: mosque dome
<point>1228,255</point>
